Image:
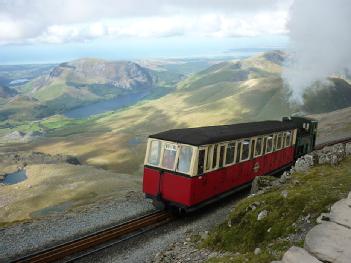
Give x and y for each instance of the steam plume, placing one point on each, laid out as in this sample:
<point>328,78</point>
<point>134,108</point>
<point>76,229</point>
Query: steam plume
<point>320,35</point>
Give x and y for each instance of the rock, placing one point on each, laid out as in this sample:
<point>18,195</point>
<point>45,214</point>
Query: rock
<point>348,148</point>
<point>262,182</point>
<point>204,235</point>
<point>285,177</point>
<point>304,163</point>
<point>253,206</point>
<point>331,154</point>
<point>349,196</point>
<point>323,217</point>
<point>340,213</point>
<point>15,136</point>
<point>262,215</point>
<point>329,242</point>
<point>257,251</point>
<point>298,255</point>
<point>284,193</point>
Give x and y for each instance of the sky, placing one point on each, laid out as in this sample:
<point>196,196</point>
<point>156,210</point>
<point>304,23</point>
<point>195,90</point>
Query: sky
<point>44,31</point>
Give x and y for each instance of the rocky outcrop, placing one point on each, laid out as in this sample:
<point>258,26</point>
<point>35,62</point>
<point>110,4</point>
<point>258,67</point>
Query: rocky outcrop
<point>329,241</point>
<point>328,155</point>
<point>298,255</point>
<point>18,136</point>
<point>12,162</point>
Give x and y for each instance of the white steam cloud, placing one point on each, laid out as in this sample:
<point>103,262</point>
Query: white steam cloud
<point>320,34</point>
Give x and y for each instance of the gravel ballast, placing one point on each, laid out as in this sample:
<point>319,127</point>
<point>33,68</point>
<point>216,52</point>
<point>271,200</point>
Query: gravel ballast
<point>25,238</point>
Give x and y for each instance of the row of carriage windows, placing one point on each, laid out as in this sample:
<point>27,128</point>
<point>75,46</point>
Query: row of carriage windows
<point>178,157</point>
<point>242,150</point>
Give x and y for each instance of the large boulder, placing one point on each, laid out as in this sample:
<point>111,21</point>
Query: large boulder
<point>340,212</point>
<point>298,255</point>
<point>329,242</point>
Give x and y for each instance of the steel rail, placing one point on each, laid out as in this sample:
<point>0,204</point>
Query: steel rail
<point>322,145</point>
<point>83,243</point>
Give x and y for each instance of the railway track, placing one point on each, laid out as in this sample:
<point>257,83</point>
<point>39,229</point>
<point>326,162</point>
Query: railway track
<point>119,232</point>
<point>132,227</point>
<point>322,145</point>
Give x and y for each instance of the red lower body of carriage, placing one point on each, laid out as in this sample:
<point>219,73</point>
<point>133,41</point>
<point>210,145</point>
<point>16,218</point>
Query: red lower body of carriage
<point>191,192</point>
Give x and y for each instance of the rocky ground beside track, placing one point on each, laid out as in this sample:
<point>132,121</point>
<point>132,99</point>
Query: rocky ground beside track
<point>11,162</point>
<point>26,237</point>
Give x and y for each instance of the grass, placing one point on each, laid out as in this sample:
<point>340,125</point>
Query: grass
<point>309,194</point>
<point>51,185</point>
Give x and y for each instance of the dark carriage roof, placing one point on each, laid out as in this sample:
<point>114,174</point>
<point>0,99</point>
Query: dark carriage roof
<point>214,134</point>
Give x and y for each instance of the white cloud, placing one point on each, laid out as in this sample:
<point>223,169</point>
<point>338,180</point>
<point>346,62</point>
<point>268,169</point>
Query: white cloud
<point>78,20</point>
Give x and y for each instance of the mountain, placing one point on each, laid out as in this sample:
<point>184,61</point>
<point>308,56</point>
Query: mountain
<point>89,79</point>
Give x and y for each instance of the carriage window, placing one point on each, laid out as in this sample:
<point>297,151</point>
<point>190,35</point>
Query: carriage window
<point>230,153</point>
<point>269,147</point>
<point>288,139</point>
<point>154,153</point>
<point>258,147</point>
<point>245,150</point>
<point>200,166</point>
<point>279,141</point>
<point>238,152</point>
<point>264,146</point>
<point>214,160</point>
<point>169,155</point>
<point>209,157</point>
<point>221,156</point>
<point>185,154</point>
<point>274,142</point>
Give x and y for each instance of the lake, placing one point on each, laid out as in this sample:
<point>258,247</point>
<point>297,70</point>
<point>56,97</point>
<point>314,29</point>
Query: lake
<point>106,105</point>
<point>15,178</point>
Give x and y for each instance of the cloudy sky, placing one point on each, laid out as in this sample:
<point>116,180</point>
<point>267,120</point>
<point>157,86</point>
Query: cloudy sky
<point>46,30</point>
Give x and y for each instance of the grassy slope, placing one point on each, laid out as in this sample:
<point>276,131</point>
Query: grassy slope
<point>308,194</point>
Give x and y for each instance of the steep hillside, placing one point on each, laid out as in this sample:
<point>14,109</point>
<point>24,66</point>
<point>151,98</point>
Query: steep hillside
<point>6,92</point>
<point>328,97</point>
<point>333,125</point>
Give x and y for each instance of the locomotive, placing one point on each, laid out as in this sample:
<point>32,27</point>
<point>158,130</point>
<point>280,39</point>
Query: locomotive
<point>192,167</point>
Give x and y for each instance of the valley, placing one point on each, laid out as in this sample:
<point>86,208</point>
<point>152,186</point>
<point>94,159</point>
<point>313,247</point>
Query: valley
<point>63,112</point>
